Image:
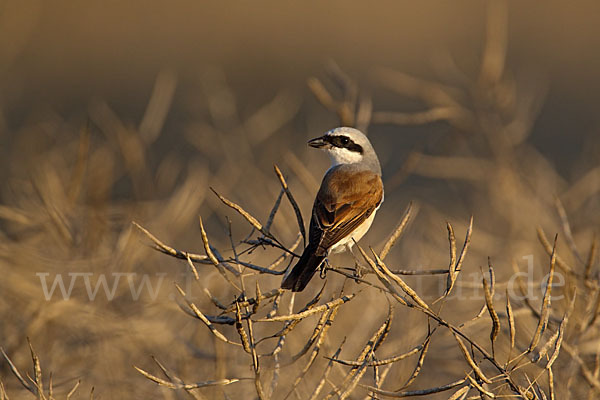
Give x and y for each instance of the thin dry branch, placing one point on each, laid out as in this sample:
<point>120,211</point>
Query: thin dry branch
<point>274,210</point>
<point>164,248</point>
<point>319,327</point>
<point>204,319</point>
<point>383,278</point>
<point>253,301</point>
<point>550,249</point>
<point>566,226</point>
<point>317,347</point>
<point>289,325</point>
<point>419,364</point>
<point>379,363</point>
<point>405,288</point>
<point>493,314</point>
<point>479,387</point>
<point>251,220</point>
<point>72,391</point>
<point>397,232</point>
<point>302,315</point>
<point>288,193</point>
<point>212,257</point>
<point>326,373</point>
<point>470,360</point>
<point>591,260</point>
<point>466,244</point>
<point>422,392</point>
<point>186,386</point>
<point>16,373</point>
<point>460,394</point>
<point>37,372</point>
<point>356,373</point>
<point>545,311</point>
<point>511,322</point>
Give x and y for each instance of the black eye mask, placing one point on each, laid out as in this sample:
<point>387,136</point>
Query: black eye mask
<point>343,142</point>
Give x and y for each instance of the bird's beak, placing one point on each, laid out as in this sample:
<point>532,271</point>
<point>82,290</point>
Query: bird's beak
<point>317,143</point>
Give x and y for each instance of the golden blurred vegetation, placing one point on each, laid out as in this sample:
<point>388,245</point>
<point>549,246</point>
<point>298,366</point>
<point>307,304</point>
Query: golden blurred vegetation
<point>114,113</point>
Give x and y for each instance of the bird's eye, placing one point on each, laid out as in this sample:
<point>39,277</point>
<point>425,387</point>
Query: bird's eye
<point>345,140</point>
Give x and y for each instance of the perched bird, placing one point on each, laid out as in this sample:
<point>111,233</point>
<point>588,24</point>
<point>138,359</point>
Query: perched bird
<point>345,206</point>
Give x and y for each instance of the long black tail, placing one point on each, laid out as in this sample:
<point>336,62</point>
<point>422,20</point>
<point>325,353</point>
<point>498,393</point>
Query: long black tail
<point>303,271</point>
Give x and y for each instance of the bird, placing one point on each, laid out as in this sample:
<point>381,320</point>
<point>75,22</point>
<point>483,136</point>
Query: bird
<point>351,192</point>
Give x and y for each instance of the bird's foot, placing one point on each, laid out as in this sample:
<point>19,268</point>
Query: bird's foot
<point>323,268</point>
<point>359,270</point>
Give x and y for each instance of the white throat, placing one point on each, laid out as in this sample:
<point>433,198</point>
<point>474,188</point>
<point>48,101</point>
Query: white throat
<point>343,156</point>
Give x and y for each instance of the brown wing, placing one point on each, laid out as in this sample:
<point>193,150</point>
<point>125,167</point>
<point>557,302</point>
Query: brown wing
<point>345,200</point>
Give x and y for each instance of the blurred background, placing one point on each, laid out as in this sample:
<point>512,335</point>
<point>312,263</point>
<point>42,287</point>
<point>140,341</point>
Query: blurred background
<point>112,112</point>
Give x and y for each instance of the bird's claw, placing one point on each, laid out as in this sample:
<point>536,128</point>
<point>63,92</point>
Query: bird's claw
<point>323,268</point>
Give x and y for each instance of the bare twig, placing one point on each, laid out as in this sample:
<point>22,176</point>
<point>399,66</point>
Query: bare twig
<point>288,193</point>
<point>422,392</point>
<point>203,318</point>
<point>302,315</point>
<point>397,232</point>
<point>187,386</point>
<point>545,311</point>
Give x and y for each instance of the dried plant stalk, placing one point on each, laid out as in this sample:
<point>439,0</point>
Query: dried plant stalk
<point>316,333</point>
<point>551,249</point>
<point>251,301</point>
<point>550,383</point>
<point>561,332</point>
<point>72,391</point>
<point>422,392</point>
<point>493,314</point>
<point>386,361</point>
<point>567,228</point>
<point>550,342</point>
<point>460,393</point>
<point>162,247</point>
<point>240,329</point>
<point>288,193</point>
<point>193,268</point>
<point>455,264</point>
<point>274,210</point>
<point>211,255</point>
<point>545,311</point>
<point>481,389</point>
<point>37,371</point>
<point>203,318</point>
<point>16,373</point>
<point>511,320</point>
<point>419,365</point>
<point>326,372</point>
<point>302,315</point>
<point>171,385</point>
<point>470,360</point>
<point>591,260</point>
<point>384,279</point>
<point>405,288</point>
<point>251,220</point>
<point>321,338</point>
<point>289,325</point>
<point>397,232</point>
<point>452,240</point>
<point>356,373</point>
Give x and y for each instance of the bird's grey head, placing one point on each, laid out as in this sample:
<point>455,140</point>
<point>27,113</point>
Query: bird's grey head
<point>348,146</point>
